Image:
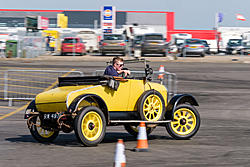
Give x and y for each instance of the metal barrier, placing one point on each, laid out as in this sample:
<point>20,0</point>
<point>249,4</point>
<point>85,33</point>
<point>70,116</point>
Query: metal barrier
<point>31,46</point>
<point>26,84</point>
<point>169,79</point>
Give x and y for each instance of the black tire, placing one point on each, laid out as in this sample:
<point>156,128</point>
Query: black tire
<point>183,116</point>
<point>96,122</point>
<point>40,134</point>
<point>133,130</point>
<point>145,98</point>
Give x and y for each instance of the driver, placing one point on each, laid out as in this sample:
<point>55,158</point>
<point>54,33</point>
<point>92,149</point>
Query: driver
<point>117,68</point>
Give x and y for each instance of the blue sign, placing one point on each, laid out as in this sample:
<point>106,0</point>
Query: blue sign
<point>107,30</point>
<point>107,12</point>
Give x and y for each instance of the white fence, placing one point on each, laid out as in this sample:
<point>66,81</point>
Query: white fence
<point>26,84</point>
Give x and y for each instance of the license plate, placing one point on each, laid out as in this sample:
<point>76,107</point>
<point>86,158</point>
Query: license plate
<point>70,45</point>
<point>114,44</point>
<point>51,116</point>
<point>193,46</point>
<point>153,43</point>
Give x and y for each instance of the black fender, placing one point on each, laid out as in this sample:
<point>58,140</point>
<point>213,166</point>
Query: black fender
<point>32,107</point>
<point>74,105</point>
<point>177,100</point>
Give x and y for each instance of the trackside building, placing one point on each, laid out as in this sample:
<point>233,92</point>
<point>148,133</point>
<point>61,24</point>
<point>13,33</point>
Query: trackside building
<point>161,21</point>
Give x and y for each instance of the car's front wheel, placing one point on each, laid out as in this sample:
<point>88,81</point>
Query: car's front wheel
<point>186,122</point>
<point>90,126</point>
<point>40,134</point>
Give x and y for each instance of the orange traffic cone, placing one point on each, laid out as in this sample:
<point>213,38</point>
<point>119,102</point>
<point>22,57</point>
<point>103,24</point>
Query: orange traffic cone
<point>120,159</point>
<point>142,141</point>
<point>161,72</point>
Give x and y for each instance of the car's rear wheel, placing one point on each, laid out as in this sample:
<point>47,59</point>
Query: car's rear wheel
<point>151,106</point>
<point>186,122</point>
<point>90,126</point>
<point>40,134</point>
<point>134,129</point>
<point>203,55</point>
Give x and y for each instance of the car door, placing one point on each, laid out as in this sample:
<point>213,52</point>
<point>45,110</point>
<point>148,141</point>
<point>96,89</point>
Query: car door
<point>118,99</point>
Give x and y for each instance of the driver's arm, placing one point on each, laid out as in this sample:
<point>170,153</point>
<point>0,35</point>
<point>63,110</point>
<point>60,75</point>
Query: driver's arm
<point>126,72</point>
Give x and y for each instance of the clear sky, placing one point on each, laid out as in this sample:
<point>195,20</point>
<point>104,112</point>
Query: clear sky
<point>189,14</point>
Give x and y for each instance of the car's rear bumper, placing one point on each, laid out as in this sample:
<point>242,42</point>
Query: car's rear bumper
<point>193,51</point>
<point>72,50</point>
<point>113,49</point>
<point>156,49</point>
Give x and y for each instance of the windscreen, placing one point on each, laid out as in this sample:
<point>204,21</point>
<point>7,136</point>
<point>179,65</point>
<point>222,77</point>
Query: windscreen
<point>193,41</point>
<point>247,44</point>
<point>235,42</point>
<point>113,37</point>
<point>153,37</point>
<point>70,40</point>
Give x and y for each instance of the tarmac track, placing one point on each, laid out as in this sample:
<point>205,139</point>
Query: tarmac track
<point>221,89</point>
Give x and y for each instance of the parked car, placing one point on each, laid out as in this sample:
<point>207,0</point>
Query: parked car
<point>153,43</point>
<point>192,47</point>
<point>176,41</point>
<point>244,48</point>
<point>86,105</point>
<point>206,45</point>
<point>73,45</point>
<point>233,45</point>
<point>113,43</point>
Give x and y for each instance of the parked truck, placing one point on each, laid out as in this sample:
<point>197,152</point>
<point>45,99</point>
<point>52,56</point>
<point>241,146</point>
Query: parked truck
<point>90,39</point>
<point>176,41</point>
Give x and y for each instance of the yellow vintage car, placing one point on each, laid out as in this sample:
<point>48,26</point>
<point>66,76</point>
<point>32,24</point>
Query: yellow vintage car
<point>88,104</point>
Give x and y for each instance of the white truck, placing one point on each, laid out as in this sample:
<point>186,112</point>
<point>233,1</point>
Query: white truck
<point>3,39</point>
<point>177,40</point>
<point>134,30</point>
<point>90,39</point>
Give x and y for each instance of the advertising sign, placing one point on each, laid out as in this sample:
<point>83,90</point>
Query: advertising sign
<point>62,21</point>
<point>108,19</point>
<point>42,23</point>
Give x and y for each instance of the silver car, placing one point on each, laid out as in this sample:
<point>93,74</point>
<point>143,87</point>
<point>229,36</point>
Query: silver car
<point>113,43</point>
<point>153,43</point>
<point>193,47</point>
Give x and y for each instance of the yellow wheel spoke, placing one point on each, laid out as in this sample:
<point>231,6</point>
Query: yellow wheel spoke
<point>151,116</point>
<point>177,127</point>
<point>188,115</point>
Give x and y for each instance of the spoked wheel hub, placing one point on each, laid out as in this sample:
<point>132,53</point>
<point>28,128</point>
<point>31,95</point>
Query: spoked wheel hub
<point>183,121</point>
<point>91,126</point>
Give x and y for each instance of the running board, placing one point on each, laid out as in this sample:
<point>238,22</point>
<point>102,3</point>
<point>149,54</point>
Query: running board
<point>139,121</point>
